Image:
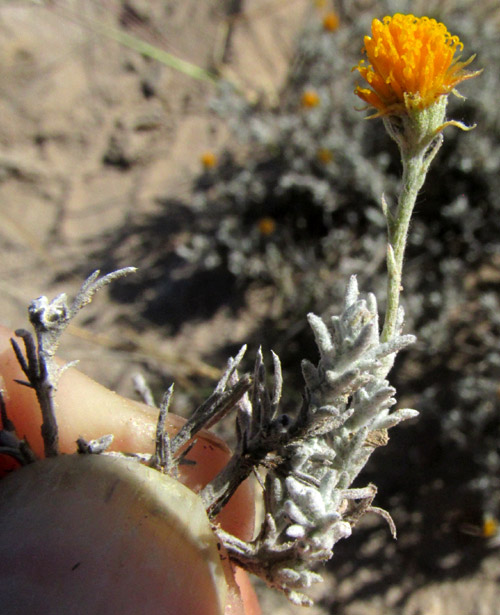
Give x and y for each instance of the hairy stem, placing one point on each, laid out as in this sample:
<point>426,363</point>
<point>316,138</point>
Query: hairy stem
<point>415,165</point>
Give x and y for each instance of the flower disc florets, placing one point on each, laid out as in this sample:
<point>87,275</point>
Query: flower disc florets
<point>411,64</point>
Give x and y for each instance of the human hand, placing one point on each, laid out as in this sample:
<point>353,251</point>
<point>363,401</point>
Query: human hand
<point>85,408</point>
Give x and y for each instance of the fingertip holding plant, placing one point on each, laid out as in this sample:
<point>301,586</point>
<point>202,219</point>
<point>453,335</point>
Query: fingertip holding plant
<point>107,531</point>
<point>100,514</point>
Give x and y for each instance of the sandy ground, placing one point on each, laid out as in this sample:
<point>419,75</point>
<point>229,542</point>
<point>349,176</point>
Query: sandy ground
<point>92,135</point>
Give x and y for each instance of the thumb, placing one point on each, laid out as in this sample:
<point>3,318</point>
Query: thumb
<point>88,409</point>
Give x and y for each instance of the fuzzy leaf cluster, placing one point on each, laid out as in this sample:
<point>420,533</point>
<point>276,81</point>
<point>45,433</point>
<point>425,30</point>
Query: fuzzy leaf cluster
<point>310,503</point>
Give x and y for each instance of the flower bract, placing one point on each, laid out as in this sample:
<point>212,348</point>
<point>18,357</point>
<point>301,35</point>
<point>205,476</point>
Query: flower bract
<point>411,63</point>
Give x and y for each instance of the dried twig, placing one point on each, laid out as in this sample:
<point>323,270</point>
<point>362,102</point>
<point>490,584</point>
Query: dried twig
<point>49,320</point>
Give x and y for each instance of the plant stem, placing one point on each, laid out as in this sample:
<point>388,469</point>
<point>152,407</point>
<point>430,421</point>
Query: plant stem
<point>415,165</point>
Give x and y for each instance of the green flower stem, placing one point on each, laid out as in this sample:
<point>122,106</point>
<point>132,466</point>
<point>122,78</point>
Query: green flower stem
<point>416,162</point>
<point>413,179</point>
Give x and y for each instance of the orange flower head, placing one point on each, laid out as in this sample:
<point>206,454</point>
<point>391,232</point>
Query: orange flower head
<point>411,64</point>
<point>208,160</point>
<point>310,99</point>
<point>331,22</point>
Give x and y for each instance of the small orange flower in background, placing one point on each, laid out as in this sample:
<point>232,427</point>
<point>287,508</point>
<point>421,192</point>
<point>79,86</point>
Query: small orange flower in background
<point>310,99</point>
<point>208,160</point>
<point>490,527</point>
<point>331,22</point>
<point>266,226</point>
<point>411,63</point>
<point>324,155</point>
